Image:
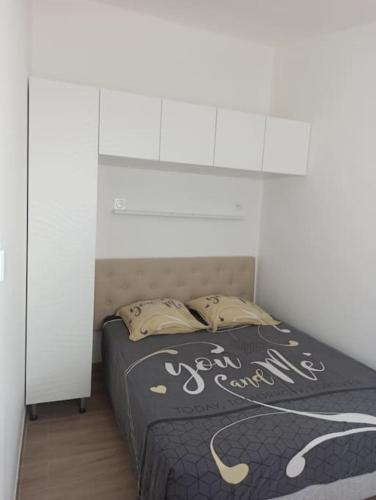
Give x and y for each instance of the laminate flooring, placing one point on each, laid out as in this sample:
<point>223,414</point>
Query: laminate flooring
<point>72,456</point>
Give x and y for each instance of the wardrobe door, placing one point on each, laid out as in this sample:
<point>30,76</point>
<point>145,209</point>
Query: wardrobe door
<point>130,125</point>
<point>63,158</point>
<point>286,146</point>
<point>239,140</point>
<point>187,133</point>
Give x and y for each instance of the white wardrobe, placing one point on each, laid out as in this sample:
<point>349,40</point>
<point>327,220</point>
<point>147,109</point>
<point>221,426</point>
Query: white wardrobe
<point>63,163</point>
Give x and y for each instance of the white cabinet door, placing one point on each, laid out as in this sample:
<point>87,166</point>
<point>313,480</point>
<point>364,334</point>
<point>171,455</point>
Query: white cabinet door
<point>129,125</point>
<point>187,133</point>
<point>286,146</point>
<point>239,140</point>
<point>63,164</point>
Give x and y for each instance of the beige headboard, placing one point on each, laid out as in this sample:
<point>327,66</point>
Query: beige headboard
<point>122,281</point>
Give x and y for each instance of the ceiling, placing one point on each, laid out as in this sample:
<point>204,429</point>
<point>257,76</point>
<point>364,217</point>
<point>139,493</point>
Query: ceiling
<point>270,22</point>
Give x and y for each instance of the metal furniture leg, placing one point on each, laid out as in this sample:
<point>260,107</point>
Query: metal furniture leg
<point>33,414</point>
<point>82,405</point>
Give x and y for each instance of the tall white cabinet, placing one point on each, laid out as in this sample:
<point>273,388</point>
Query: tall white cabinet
<point>63,163</point>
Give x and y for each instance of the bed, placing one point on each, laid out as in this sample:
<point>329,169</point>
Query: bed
<point>246,413</point>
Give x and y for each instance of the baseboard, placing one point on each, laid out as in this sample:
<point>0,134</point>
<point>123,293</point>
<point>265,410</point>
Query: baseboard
<point>20,450</point>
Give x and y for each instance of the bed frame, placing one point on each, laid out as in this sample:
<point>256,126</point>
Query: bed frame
<point>122,281</point>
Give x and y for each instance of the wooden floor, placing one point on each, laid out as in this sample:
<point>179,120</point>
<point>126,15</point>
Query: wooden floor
<point>72,456</point>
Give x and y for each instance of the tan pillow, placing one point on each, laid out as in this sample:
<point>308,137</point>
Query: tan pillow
<point>159,316</point>
<point>221,311</point>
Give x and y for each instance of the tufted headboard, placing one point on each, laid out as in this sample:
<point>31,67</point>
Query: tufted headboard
<point>122,281</point>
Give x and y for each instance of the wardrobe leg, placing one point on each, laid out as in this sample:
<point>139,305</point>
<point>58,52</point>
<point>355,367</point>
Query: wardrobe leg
<point>82,405</point>
<point>33,414</point>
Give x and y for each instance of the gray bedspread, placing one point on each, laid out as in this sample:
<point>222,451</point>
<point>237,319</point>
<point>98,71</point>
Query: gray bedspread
<point>249,413</point>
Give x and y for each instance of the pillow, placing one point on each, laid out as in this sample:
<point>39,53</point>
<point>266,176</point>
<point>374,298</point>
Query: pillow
<point>159,316</point>
<point>221,311</point>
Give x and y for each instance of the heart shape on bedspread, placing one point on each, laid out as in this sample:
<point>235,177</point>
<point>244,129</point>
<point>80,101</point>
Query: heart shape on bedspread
<point>159,389</point>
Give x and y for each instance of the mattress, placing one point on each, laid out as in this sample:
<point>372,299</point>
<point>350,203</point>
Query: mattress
<point>248,413</point>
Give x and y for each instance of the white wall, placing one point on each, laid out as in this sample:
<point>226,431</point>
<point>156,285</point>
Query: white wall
<point>102,45</point>
<point>89,42</point>
<point>169,189</point>
<point>13,126</point>
<point>318,238</point>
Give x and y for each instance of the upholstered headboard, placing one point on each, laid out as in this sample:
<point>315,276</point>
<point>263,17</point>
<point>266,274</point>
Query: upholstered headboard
<point>122,281</point>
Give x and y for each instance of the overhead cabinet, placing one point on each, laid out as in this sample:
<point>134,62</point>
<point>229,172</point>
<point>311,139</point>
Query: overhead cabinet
<point>130,125</point>
<point>239,140</point>
<point>286,146</point>
<point>137,126</point>
<point>63,163</point>
<point>187,133</point>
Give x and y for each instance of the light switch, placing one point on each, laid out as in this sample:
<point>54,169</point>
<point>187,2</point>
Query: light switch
<point>120,204</point>
<point>2,264</point>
